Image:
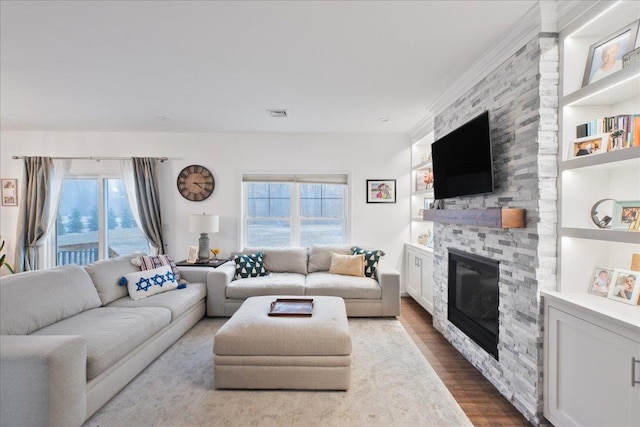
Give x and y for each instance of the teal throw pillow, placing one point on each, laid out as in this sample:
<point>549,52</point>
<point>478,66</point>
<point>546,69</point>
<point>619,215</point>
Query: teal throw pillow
<point>250,265</point>
<point>371,260</point>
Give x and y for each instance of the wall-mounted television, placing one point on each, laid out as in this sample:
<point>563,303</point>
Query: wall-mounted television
<point>462,160</point>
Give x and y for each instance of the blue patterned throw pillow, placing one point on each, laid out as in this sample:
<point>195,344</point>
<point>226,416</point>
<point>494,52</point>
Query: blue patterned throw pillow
<point>371,260</point>
<point>150,282</point>
<point>249,265</point>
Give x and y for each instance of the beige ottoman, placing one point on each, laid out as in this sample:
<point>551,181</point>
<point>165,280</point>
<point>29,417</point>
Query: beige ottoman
<point>253,350</point>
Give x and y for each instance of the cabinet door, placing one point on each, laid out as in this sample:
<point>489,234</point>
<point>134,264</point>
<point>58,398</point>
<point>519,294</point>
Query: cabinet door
<point>414,274</point>
<point>589,374</point>
<point>426,283</point>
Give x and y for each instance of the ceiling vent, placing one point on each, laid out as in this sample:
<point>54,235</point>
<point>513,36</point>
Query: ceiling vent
<point>277,113</point>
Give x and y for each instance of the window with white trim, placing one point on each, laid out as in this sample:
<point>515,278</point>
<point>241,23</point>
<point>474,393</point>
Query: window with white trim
<point>295,210</point>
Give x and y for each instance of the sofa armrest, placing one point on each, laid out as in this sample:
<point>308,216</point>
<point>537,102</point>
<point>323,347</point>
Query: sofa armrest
<point>194,274</point>
<point>217,281</point>
<point>389,279</point>
<point>43,380</point>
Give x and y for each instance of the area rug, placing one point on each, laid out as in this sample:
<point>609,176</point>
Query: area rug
<point>392,385</point>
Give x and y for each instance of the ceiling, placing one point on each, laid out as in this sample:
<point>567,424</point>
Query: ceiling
<point>204,66</point>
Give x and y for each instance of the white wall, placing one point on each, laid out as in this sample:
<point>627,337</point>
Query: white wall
<point>383,226</point>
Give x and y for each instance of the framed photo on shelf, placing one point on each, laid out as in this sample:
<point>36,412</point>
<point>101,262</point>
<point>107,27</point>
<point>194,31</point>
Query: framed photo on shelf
<point>624,286</point>
<point>381,191</point>
<point>601,281</point>
<point>428,204</point>
<point>626,215</point>
<point>192,255</point>
<point>588,146</point>
<point>605,56</point>
<point>9,192</point>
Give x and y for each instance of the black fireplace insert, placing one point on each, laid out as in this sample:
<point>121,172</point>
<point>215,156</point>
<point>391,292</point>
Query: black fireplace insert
<point>474,298</point>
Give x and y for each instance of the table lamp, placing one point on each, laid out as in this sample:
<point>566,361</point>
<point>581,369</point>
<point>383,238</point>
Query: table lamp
<point>203,224</point>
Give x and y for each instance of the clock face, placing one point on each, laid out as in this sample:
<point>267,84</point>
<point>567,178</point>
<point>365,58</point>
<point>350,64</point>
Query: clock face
<point>195,183</point>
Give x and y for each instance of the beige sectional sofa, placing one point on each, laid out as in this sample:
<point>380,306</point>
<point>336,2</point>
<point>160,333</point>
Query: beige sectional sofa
<point>305,271</point>
<point>71,338</point>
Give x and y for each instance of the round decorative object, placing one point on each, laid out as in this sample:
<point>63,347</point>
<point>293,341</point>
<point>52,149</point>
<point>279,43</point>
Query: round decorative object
<point>195,183</point>
<point>601,212</point>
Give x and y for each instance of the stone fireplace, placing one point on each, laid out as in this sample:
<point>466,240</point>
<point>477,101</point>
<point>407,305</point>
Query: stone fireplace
<point>521,96</point>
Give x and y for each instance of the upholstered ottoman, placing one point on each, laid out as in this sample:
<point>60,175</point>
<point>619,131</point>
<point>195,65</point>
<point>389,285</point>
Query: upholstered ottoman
<point>253,350</point>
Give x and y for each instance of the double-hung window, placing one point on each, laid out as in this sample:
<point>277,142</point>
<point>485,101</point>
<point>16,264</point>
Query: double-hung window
<point>295,210</point>
<point>94,219</point>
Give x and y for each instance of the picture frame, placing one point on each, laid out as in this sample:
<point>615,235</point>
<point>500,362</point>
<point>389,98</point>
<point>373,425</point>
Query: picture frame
<point>589,145</point>
<point>192,255</point>
<point>428,204</point>
<point>381,191</point>
<point>624,286</point>
<point>626,215</point>
<point>9,191</point>
<point>601,279</point>
<point>605,56</point>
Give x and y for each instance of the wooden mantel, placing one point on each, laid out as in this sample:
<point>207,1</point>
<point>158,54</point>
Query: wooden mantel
<point>489,217</point>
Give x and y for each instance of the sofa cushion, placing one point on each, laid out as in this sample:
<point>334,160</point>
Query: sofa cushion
<point>143,284</point>
<point>249,265</point>
<point>339,285</point>
<point>36,299</point>
<point>371,260</point>
<point>111,333</point>
<point>106,275</point>
<point>283,260</point>
<point>273,284</point>
<point>150,262</point>
<point>320,256</point>
<point>350,265</point>
<point>179,301</point>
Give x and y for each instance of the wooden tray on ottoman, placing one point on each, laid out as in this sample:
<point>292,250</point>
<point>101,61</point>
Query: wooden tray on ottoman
<point>291,307</point>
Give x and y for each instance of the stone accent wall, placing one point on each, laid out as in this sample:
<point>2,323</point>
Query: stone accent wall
<point>522,97</point>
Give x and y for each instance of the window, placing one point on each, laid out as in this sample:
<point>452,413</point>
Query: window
<point>95,222</point>
<point>295,210</point>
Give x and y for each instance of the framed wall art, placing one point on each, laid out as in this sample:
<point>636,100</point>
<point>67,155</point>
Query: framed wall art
<point>605,56</point>
<point>381,191</point>
<point>9,192</point>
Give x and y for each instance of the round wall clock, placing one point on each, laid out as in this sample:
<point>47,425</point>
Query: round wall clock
<point>195,183</point>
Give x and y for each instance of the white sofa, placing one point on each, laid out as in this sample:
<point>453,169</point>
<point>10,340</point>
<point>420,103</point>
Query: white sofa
<point>305,271</point>
<point>71,338</point>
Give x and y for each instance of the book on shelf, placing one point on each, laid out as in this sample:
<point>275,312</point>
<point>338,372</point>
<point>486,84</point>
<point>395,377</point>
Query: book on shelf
<point>623,130</point>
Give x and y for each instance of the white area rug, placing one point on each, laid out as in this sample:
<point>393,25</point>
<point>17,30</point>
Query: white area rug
<point>392,385</point>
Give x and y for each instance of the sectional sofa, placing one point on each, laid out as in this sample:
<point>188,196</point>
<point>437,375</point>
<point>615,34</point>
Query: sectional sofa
<point>71,337</point>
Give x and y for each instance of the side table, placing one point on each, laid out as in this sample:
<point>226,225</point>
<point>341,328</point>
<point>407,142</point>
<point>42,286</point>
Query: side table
<point>214,263</point>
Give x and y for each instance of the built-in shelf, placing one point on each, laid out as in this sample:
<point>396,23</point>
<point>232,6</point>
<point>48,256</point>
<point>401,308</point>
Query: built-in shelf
<point>607,91</point>
<point>489,217</point>
<point>427,191</point>
<point>420,247</point>
<point>602,234</point>
<point>605,160</point>
<point>423,165</point>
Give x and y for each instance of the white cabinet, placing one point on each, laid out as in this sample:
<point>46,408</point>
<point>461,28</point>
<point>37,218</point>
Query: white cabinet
<point>592,362</point>
<point>419,275</point>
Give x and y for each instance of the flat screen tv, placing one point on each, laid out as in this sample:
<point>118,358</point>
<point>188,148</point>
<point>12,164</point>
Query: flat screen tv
<point>462,160</point>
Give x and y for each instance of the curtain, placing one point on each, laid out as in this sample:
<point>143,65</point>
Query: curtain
<point>41,189</point>
<point>141,186</point>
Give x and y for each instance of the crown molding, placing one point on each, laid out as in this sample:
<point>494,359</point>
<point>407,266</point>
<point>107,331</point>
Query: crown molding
<point>423,128</point>
<point>568,11</point>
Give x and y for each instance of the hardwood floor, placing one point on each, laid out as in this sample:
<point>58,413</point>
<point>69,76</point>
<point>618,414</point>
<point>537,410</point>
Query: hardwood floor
<point>477,397</point>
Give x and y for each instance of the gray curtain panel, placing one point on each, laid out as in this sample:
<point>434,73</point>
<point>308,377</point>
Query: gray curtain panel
<point>148,198</point>
<point>33,212</point>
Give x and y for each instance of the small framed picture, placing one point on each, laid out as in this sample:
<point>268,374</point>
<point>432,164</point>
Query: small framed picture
<point>624,286</point>
<point>9,192</point>
<point>605,56</point>
<point>381,191</point>
<point>601,281</point>
<point>428,204</point>
<point>589,145</point>
<point>626,215</point>
<point>192,255</point>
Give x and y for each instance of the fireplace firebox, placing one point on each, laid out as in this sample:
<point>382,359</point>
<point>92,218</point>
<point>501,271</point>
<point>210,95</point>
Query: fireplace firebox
<point>473,298</point>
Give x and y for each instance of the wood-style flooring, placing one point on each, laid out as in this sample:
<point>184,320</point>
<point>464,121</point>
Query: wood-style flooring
<point>477,397</point>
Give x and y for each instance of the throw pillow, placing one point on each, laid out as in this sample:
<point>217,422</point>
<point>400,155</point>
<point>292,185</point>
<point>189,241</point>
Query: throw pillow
<point>150,282</point>
<point>249,265</point>
<point>350,265</point>
<point>150,262</point>
<point>371,260</point>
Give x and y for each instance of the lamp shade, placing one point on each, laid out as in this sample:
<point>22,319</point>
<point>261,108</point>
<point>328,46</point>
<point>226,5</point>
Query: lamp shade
<point>203,223</point>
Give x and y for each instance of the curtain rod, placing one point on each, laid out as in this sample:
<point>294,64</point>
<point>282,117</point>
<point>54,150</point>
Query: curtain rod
<point>97,159</point>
